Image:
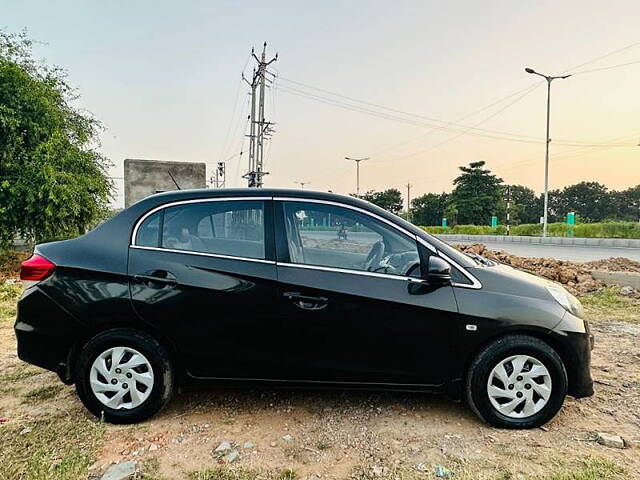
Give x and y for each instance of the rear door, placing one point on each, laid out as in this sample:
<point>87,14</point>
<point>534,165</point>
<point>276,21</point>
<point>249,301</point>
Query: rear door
<point>352,304</point>
<point>203,274</point>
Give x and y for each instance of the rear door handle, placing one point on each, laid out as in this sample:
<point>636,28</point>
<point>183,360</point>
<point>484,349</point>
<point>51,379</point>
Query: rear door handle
<point>306,302</point>
<point>168,279</point>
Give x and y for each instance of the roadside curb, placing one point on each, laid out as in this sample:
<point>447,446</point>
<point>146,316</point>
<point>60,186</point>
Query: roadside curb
<point>564,241</point>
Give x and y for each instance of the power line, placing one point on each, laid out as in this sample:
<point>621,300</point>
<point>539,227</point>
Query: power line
<point>466,130</point>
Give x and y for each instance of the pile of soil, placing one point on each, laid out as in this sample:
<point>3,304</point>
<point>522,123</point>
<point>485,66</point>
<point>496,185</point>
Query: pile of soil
<point>615,264</point>
<point>575,277</point>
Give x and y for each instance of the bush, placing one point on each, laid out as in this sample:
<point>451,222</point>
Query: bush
<point>583,230</point>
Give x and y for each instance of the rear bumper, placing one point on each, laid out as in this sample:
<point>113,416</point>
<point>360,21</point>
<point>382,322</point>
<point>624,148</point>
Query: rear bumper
<point>45,332</point>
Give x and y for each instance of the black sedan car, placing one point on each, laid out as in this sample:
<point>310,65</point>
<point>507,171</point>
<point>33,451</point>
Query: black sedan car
<point>293,288</point>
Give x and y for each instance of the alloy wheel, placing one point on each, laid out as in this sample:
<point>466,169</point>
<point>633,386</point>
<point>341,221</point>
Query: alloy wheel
<point>121,378</point>
<point>519,386</point>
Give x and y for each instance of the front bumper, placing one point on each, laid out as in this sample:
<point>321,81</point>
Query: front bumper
<point>577,343</point>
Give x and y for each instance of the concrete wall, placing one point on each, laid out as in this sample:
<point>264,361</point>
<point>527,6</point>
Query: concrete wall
<point>146,177</point>
<point>622,279</point>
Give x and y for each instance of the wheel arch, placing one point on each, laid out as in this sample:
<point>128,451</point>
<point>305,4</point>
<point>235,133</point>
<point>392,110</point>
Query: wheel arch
<point>66,370</point>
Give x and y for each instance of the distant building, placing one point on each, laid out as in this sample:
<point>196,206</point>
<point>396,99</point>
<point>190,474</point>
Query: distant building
<point>146,177</point>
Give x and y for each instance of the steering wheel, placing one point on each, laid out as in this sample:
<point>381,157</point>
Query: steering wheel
<point>374,256</point>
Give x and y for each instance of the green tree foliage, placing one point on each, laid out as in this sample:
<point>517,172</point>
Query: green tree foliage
<point>589,200</point>
<point>53,181</point>
<point>626,204</point>
<point>429,209</point>
<point>390,199</point>
<point>525,205</point>
<point>477,194</point>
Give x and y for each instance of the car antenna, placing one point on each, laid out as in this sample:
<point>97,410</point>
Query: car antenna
<point>174,180</point>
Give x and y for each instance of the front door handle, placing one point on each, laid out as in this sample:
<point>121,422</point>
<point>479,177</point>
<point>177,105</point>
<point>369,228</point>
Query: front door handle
<point>158,277</point>
<point>306,302</point>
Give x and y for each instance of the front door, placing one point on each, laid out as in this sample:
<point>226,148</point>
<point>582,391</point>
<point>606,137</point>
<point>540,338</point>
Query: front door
<point>350,309</point>
<point>203,274</point>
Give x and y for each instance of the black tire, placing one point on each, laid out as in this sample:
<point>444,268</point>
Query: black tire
<point>481,367</point>
<point>154,352</point>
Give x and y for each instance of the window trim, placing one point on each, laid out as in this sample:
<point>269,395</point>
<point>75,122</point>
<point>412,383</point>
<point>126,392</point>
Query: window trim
<point>164,206</point>
<point>271,230</point>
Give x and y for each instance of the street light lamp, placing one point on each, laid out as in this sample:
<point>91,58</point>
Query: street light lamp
<point>549,79</point>
<point>357,160</point>
<point>302,184</point>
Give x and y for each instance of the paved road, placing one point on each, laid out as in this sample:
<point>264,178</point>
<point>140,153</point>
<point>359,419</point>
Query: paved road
<point>561,252</point>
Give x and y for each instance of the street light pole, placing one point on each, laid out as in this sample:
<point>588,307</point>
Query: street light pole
<point>549,79</point>
<point>302,184</point>
<point>357,160</point>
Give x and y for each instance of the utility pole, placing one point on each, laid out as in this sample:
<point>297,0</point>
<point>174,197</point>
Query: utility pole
<point>259,129</point>
<point>408,201</point>
<point>302,184</point>
<point>508,209</point>
<point>549,79</point>
<point>219,177</point>
<point>357,160</point>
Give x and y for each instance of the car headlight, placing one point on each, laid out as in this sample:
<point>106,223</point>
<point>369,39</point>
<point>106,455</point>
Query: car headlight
<point>570,303</point>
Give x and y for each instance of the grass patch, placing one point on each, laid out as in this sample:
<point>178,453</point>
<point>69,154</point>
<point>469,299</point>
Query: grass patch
<point>9,295</point>
<point>41,394</point>
<point>591,469</point>
<point>58,448</point>
<point>608,305</point>
<point>19,372</point>
<point>229,473</point>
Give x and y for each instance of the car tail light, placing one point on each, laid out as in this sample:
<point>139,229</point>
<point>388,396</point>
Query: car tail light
<point>35,269</point>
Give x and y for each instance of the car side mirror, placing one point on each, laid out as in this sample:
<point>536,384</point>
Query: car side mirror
<point>439,272</point>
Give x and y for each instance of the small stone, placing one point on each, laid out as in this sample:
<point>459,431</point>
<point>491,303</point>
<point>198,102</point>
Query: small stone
<point>248,445</point>
<point>376,470</point>
<point>631,442</point>
<point>120,471</point>
<point>153,447</point>
<point>224,446</point>
<point>25,430</point>
<point>287,438</point>
<point>627,290</point>
<point>231,456</point>
<point>608,440</point>
<point>441,472</point>
<point>273,444</point>
<point>421,467</point>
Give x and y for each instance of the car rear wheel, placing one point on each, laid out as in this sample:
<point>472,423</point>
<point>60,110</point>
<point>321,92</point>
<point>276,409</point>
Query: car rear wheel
<point>516,382</point>
<point>124,376</point>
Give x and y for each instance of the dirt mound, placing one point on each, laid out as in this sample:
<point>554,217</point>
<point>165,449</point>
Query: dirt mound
<point>614,264</point>
<point>576,277</point>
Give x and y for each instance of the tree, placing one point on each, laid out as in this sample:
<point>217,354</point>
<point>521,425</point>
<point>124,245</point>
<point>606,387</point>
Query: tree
<point>53,181</point>
<point>626,204</point>
<point>589,200</point>
<point>429,209</point>
<point>525,205</point>
<point>477,194</point>
<point>390,199</point>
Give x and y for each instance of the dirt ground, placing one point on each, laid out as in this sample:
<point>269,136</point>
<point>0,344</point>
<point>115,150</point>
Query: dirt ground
<point>45,433</point>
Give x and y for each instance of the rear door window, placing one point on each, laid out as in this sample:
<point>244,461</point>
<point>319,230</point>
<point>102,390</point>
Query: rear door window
<point>230,228</point>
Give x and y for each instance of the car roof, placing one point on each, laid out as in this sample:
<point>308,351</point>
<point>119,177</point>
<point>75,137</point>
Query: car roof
<point>177,195</point>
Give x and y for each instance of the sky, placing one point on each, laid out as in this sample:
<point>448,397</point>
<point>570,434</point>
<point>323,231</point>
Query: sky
<point>164,77</point>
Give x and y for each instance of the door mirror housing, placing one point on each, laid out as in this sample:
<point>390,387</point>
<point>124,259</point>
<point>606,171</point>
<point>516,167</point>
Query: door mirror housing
<point>439,272</point>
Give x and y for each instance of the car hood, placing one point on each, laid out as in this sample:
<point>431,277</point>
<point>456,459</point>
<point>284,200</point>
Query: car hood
<point>509,280</point>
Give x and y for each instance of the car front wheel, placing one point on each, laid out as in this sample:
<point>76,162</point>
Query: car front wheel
<point>124,376</point>
<point>516,382</point>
